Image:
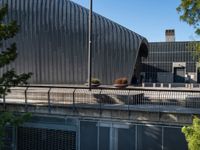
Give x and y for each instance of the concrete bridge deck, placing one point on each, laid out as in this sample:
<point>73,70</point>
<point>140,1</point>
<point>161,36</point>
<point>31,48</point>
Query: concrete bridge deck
<point>143,104</point>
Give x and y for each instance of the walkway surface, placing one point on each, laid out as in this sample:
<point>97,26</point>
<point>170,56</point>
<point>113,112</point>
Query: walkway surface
<point>174,100</point>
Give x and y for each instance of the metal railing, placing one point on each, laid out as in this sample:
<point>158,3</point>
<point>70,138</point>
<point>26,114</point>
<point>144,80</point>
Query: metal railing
<point>105,98</point>
<point>170,85</point>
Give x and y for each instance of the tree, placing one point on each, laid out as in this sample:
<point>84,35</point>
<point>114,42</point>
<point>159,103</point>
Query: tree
<point>9,78</point>
<point>190,13</point>
<point>192,134</point>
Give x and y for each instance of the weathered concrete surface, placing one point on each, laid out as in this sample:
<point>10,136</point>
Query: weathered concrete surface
<point>111,114</point>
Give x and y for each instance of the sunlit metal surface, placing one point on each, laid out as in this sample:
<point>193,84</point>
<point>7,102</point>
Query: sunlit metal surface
<point>53,40</point>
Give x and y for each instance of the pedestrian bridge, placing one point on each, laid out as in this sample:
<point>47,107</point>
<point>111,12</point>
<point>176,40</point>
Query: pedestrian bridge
<point>110,118</point>
<point>131,103</point>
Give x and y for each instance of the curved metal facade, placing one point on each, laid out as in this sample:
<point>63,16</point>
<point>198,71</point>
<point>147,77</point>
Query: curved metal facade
<point>53,40</point>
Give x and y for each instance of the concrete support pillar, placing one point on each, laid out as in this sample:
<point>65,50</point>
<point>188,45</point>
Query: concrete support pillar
<point>154,85</point>
<point>113,138</point>
<point>161,85</point>
<point>143,84</point>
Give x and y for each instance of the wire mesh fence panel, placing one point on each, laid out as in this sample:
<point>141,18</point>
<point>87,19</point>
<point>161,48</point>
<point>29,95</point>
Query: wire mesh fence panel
<point>152,97</point>
<point>115,96</point>
<point>87,97</point>
<point>16,95</point>
<point>61,96</point>
<point>112,99</point>
<point>163,100</point>
<point>192,100</point>
<point>37,96</point>
<point>116,101</point>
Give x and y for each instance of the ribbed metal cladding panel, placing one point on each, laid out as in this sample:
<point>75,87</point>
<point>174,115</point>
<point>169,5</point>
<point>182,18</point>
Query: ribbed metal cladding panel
<point>45,139</point>
<point>53,40</point>
<point>163,54</point>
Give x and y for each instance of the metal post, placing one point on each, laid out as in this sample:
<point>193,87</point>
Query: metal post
<point>49,100</point>
<point>90,47</point>
<point>74,100</point>
<point>100,105</point>
<point>4,102</point>
<point>129,113</point>
<point>26,102</point>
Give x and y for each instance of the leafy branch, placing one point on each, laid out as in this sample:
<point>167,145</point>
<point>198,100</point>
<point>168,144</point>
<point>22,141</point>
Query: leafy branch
<point>9,78</point>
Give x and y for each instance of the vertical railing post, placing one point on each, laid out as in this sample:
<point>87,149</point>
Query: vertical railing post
<point>169,85</point>
<point>49,100</point>
<point>161,85</point>
<point>154,85</point>
<point>4,101</point>
<point>160,103</point>
<point>74,100</point>
<point>100,107</point>
<point>129,113</point>
<point>26,101</point>
<point>143,84</point>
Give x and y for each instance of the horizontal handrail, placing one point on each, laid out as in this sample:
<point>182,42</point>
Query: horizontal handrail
<point>110,87</point>
<point>106,97</point>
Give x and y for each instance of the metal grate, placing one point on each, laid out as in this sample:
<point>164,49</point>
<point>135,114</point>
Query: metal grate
<point>45,139</point>
<point>8,139</point>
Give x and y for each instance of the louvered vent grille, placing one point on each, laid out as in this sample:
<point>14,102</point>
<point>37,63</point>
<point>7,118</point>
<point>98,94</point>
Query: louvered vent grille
<point>8,139</point>
<point>45,139</point>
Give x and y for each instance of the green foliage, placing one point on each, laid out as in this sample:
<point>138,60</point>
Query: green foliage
<point>9,78</point>
<point>190,13</point>
<point>196,53</point>
<point>7,31</point>
<point>194,48</point>
<point>95,81</point>
<point>9,119</point>
<point>192,134</point>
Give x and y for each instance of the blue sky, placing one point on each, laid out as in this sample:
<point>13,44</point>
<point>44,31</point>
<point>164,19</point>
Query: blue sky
<point>149,18</point>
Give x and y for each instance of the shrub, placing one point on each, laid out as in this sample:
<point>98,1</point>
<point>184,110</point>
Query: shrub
<point>192,134</point>
<point>95,81</point>
<point>123,80</point>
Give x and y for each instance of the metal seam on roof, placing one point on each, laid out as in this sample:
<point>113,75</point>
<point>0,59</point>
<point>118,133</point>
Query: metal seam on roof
<point>53,44</point>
